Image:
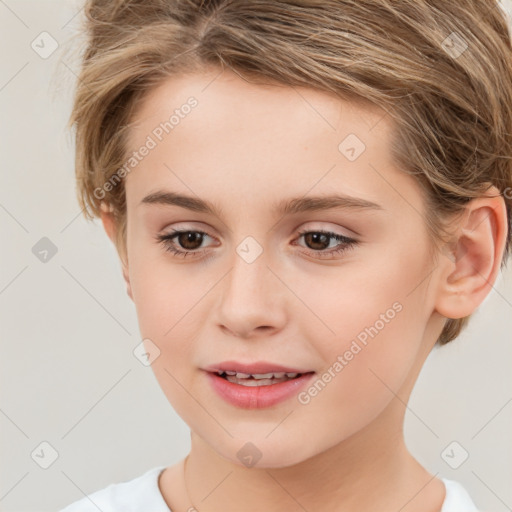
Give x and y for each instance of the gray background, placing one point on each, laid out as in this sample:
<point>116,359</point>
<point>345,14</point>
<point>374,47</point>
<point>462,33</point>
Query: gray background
<point>68,329</point>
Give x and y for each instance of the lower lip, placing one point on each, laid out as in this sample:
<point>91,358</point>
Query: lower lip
<point>257,397</point>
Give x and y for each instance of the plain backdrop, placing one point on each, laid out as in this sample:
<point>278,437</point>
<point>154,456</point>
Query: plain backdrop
<point>77,410</point>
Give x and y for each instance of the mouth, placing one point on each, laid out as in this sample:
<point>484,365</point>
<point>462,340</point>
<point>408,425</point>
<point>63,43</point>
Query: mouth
<point>257,390</point>
<point>256,384</point>
<point>258,379</point>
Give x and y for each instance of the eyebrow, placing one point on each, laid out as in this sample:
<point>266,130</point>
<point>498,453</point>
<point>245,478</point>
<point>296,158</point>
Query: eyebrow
<point>284,207</point>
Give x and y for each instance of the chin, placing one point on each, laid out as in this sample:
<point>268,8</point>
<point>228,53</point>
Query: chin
<point>263,453</point>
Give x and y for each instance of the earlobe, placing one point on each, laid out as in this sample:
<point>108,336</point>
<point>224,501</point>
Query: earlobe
<point>108,222</point>
<point>127,281</point>
<point>474,258</point>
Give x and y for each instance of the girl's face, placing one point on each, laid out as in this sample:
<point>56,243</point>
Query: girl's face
<point>257,281</point>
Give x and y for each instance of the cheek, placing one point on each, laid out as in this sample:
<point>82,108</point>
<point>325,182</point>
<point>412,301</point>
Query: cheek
<point>373,326</point>
<point>167,304</point>
<point>165,294</point>
<point>364,372</point>
<point>170,303</point>
<point>362,302</point>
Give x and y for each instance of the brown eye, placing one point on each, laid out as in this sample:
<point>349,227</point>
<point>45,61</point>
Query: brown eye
<point>183,243</point>
<point>190,240</point>
<point>317,241</point>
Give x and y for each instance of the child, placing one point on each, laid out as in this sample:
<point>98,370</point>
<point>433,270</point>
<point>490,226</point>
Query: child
<point>306,197</point>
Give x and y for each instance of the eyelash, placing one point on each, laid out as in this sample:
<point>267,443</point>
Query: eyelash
<point>166,240</point>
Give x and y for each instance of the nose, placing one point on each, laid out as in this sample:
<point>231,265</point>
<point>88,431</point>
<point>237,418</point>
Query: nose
<point>252,299</point>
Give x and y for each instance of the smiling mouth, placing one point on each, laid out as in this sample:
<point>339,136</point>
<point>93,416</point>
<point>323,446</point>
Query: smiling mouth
<point>258,379</point>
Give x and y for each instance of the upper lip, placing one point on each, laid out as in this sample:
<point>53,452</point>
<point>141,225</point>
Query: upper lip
<point>253,368</point>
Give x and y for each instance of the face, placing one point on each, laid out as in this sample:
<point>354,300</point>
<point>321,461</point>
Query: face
<point>339,291</point>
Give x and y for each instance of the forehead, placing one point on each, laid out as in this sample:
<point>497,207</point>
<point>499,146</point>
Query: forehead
<point>258,140</point>
<point>224,97</point>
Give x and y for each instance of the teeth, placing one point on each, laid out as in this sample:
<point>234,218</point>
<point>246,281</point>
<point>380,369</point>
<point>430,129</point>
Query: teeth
<point>262,375</point>
<point>255,382</point>
<point>259,376</point>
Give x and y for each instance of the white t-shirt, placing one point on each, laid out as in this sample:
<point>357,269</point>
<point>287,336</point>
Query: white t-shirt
<point>142,494</point>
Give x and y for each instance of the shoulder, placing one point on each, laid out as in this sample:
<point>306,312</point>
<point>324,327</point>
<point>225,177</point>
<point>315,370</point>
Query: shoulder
<point>136,495</point>
<point>457,498</point>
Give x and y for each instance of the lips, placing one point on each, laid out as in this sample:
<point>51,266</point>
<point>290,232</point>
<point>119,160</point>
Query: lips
<point>257,394</point>
<point>258,367</point>
<point>256,385</point>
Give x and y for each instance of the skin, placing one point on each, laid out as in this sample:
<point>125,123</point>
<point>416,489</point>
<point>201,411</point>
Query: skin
<point>244,147</point>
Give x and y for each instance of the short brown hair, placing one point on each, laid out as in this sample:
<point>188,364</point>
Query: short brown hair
<point>442,70</point>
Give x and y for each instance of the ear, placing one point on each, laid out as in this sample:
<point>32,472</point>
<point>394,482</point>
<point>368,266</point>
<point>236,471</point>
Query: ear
<point>474,258</point>
<point>108,220</point>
